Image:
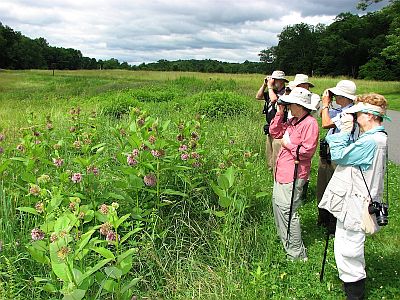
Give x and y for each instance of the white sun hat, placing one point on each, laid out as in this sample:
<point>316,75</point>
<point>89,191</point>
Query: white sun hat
<point>279,75</point>
<point>345,88</point>
<point>368,108</point>
<point>299,96</point>
<point>301,78</point>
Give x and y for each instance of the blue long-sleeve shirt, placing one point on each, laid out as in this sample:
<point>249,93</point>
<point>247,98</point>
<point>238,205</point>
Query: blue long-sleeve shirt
<point>345,151</point>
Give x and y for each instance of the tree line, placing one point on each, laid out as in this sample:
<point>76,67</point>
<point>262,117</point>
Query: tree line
<point>365,46</point>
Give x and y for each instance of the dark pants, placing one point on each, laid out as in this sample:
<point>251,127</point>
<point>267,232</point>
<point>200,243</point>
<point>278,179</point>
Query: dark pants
<point>325,172</point>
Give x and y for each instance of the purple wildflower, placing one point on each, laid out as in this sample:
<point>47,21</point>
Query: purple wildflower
<point>130,159</point>
<point>156,153</point>
<point>185,156</point>
<point>76,177</point>
<point>195,155</point>
<point>152,139</point>
<point>37,234</point>
<point>135,152</point>
<point>182,148</point>
<point>111,236</point>
<point>58,162</point>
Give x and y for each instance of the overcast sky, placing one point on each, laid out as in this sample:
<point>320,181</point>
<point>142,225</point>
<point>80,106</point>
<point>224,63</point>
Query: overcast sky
<point>139,31</point>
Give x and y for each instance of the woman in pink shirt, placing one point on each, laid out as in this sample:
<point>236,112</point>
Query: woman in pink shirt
<point>299,141</point>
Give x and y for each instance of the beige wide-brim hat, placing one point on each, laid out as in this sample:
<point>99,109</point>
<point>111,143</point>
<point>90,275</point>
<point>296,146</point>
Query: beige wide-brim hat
<point>279,75</point>
<point>301,78</point>
<point>299,96</point>
<point>345,88</point>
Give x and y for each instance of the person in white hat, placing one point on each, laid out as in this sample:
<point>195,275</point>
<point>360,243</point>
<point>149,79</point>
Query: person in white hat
<point>299,140</point>
<point>301,80</point>
<point>275,85</point>
<point>344,93</point>
<point>357,182</point>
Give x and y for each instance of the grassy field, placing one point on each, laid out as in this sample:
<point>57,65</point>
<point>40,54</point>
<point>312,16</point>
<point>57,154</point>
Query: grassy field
<point>203,230</point>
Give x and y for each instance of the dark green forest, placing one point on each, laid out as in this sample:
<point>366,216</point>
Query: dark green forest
<point>365,47</point>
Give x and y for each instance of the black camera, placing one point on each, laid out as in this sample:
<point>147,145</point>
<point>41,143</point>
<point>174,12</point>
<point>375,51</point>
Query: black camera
<point>324,151</point>
<point>381,211</point>
<point>266,128</point>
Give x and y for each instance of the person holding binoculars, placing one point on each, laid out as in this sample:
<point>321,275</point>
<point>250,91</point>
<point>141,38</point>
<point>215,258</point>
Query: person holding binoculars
<point>275,85</point>
<point>344,93</point>
<point>354,193</point>
<point>299,140</point>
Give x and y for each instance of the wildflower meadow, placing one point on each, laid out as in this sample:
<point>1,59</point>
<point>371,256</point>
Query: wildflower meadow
<point>153,185</point>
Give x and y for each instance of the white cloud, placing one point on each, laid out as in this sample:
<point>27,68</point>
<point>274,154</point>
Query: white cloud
<point>146,31</point>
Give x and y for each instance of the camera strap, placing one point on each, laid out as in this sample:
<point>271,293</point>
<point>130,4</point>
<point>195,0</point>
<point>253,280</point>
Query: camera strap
<point>387,175</point>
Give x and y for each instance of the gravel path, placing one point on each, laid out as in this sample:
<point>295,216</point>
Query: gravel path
<point>393,130</point>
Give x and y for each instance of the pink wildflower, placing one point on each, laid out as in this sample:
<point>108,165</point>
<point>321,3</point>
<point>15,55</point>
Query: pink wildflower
<point>39,207</point>
<point>182,148</point>
<point>34,190</point>
<point>135,152</point>
<point>185,156</point>
<point>152,139</point>
<point>130,159</point>
<point>58,162</point>
<point>76,177</point>
<point>37,234</point>
<point>195,155</point>
<point>104,209</point>
<point>111,236</point>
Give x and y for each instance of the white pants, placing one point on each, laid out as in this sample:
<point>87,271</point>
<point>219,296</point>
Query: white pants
<point>349,253</point>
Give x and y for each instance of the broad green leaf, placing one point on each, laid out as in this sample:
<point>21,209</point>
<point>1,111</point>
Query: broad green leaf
<point>126,254</point>
<point>218,191</point>
<point>126,265</point>
<point>30,210</point>
<point>104,252</point>
<point>225,201</point>
<point>223,182</point>
<point>113,272</point>
<point>129,285</point>
<point>109,285</point>
<point>75,295</point>
<point>85,238</point>
<point>95,268</point>
<point>61,223</point>
<point>230,175</point>
<point>128,235</point>
<point>121,220</point>
<point>28,177</point>
<point>82,161</point>
<point>48,287</point>
<point>98,146</point>
<point>38,255</point>
<point>55,201</point>
<point>115,196</point>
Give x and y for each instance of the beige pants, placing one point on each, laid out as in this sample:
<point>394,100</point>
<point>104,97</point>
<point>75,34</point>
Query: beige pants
<point>281,199</point>
<point>272,147</point>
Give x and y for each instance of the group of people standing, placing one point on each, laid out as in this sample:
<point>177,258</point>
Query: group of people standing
<point>350,172</point>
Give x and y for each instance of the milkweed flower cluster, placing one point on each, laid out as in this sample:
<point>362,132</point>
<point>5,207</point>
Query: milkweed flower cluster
<point>131,160</point>
<point>92,169</point>
<point>76,177</point>
<point>58,162</point>
<point>104,209</point>
<point>39,207</point>
<point>37,234</point>
<point>150,179</point>
<point>34,190</point>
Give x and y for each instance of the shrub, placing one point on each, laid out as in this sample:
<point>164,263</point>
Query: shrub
<point>156,93</point>
<point>117,104</point>
<point>220,104</point>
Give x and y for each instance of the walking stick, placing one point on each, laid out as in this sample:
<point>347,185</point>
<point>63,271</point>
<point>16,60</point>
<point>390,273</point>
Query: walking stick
<point>321,274</point>
<point>296,168</point>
